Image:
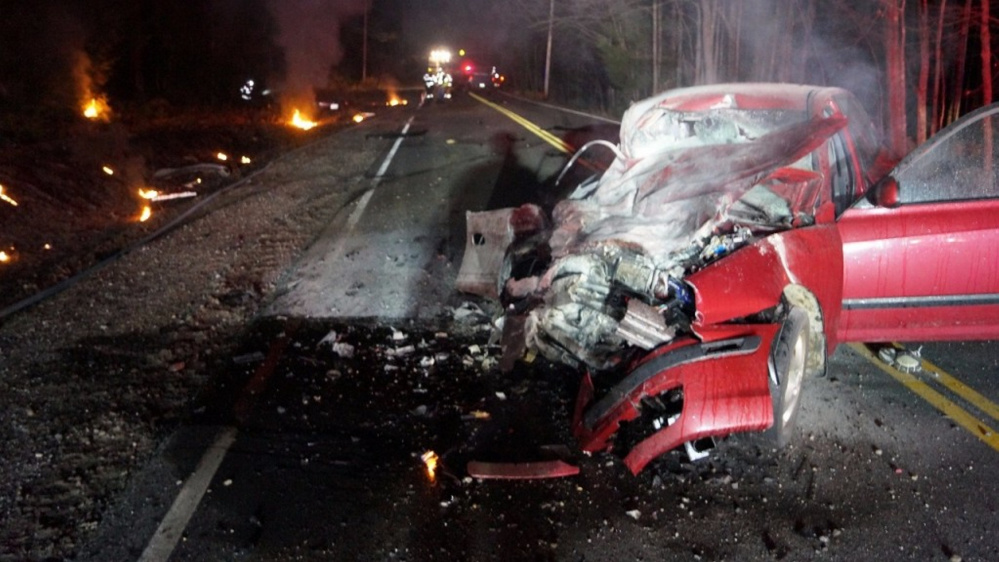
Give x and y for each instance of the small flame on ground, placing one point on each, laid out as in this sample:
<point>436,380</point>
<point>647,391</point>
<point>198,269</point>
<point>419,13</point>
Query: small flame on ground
<point>146,213</point>
<point>394,101</point>
<point>244,160</point>
<point>222,156</point>
<point>108,170</point>
<point>148,193</point>
<point>4,197</point>
<point>301,122</point>
<point>47,246</point>
<point>358,118</point>
<point>430,459</point>
<point>4,257</point>
<point>96,108</point>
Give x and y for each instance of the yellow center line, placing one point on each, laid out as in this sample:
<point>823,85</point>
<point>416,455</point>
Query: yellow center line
<point>962,390</point>
<point>543,134</point>
<point>960,416</point>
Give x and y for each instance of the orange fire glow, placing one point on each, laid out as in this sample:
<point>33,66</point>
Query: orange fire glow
<point>244,160</point>
<point>108,170</point>
<point>97,109</point>
<point>358,118</point>
<point>301,122</point>
<point>6,198</point>
<point>148,195</point>
<point>430,459</point>
<point>222,156</point>
<point>395,100</point>
<point>4,257</point>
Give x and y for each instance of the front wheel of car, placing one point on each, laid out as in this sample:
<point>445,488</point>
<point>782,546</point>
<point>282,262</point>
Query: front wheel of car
<point>788,365</point>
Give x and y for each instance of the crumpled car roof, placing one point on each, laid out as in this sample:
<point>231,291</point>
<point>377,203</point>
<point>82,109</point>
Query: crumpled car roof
<point>658,199</point>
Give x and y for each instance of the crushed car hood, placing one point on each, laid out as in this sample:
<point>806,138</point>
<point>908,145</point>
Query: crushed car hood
<point>661,202</point>
<point>685,189</point>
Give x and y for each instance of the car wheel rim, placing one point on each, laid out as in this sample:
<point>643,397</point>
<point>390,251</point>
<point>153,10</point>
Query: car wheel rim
<point>793,379</point>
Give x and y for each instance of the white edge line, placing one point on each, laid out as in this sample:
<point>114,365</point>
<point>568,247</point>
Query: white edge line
<point>395,147</point>
<point>164,541</point>
<point>362,203</point>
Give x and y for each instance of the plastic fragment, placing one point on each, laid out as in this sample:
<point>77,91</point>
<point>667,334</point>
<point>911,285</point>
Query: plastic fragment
<point>521,471</point>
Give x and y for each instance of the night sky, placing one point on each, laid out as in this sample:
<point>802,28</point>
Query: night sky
<point>199,51</point>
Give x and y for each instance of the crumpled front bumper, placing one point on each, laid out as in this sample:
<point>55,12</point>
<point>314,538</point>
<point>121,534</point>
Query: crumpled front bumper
<point>724,384</point>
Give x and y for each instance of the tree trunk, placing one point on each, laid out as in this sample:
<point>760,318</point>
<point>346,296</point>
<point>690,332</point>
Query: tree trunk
<point>922,83</point>
<point>707,55</point>
<point>655,47</point>
<point>986,55</point>
<point>938,102</point>
<point>895,67</point>
<point>959,64</point>
<point>987,86</point>
<point>807,18</point>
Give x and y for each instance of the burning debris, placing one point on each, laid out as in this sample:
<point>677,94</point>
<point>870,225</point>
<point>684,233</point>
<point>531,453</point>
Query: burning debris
<point>6,198</point>
<point>301,122</point>
<point>97,109</point>
<point>430,460</point>
<point>176,195</point>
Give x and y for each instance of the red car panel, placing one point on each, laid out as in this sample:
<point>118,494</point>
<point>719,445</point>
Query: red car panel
<point>753,279</point>
<point>921,272</point>
<point>927,268</point>
<point>725,390</point>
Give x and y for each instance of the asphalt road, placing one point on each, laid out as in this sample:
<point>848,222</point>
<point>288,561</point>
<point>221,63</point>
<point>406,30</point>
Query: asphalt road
<point>305,451</point>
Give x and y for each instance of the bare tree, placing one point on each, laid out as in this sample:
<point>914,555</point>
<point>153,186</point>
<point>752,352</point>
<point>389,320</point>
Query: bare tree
<point>895,66</point>
<point>986,40</point>
<point>922,82</point>
<point>938,101</point>
<point>959,63</point>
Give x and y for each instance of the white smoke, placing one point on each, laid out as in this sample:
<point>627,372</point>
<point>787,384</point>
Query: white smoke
<point>309,33</point>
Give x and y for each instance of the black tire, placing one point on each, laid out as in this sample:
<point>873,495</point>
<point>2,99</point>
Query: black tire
<point>788,367</point>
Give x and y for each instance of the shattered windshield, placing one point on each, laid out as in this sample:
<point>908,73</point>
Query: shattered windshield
<point>679,175</point>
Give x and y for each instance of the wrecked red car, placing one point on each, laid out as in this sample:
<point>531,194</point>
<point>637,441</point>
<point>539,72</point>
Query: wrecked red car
<point>739,236</point>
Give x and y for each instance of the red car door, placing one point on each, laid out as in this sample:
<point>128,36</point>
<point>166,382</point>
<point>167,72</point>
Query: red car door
<point>923,262</point>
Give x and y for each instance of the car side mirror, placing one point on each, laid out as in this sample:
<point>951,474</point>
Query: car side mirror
<point>885,193</point>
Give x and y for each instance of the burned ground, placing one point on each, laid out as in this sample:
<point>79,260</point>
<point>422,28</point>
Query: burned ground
<point>94,377</point>
<point>71,213</point>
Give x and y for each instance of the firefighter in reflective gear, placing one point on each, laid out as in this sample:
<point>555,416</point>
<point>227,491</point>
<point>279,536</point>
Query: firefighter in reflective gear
<point>438,84</point>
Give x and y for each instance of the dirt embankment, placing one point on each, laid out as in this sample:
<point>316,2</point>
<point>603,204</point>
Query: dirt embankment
<point>93,378</point>
<point>76,185</point>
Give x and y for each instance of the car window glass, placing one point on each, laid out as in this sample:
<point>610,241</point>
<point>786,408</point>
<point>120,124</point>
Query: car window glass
<point>841,175</point>
<point>962,166</point>
<point>862,131</point>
